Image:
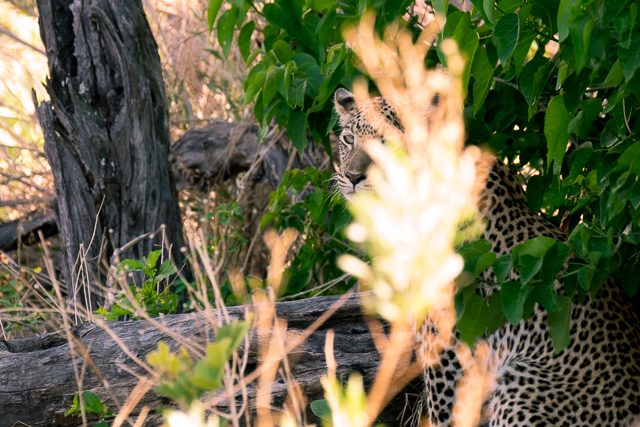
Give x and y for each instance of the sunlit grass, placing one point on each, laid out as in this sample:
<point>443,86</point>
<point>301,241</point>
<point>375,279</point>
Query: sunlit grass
<point>24,174</point>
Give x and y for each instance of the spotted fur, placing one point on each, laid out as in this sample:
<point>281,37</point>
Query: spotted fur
<point>594,382</point>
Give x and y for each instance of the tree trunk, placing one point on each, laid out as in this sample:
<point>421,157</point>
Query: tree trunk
<point>106,136</point>
<point>37,379</point>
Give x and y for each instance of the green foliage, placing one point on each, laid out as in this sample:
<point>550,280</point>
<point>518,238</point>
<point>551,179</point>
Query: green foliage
<point>16,293</point>
<point>566,106</point>
<point>552,85</point>
<point>92,406</point>
<point>304,202</point>
<point>321,409</point>
<point>538,265</point>
<point>185,380</point>
<point>302,59</point>
<point>567,115</point>
<point>153,295</point>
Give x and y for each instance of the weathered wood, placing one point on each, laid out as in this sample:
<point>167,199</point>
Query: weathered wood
<point>206,156</point>
<point>24,231</point>
<point>106,134</point>
<point>37,380</point>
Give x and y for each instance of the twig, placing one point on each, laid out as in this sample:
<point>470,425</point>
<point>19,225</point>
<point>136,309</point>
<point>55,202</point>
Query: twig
<point>19,40</point>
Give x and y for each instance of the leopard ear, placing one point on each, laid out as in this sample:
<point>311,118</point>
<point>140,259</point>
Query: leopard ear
<point>345,105</point>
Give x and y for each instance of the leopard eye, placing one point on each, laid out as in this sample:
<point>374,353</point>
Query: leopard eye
<point>348,139</point>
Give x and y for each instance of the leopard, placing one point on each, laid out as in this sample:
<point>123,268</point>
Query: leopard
<point>594,381</point>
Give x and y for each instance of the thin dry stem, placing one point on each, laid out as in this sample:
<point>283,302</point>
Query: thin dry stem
<point>397,351</point>
<point>132,401</point>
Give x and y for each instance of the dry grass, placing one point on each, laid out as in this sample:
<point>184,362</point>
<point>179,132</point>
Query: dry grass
<point>199,86</point>
<point>24,173</point>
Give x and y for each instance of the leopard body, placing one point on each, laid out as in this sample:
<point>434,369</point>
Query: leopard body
<point>595,381</point>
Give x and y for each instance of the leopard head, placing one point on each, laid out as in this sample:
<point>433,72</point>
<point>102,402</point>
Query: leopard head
<point>361,124</point>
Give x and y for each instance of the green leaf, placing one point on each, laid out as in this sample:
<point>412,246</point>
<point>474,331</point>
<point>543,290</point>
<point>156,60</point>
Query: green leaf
<point>554,261</point>
<point>514,295</point>
<point>536,247</point>
<point>585,277</point>
<point>235,331</point>
<point>92,403</point>
<point>152,259</point>
<point>282,51</point>
<point>208,372</point>
<point>255,83</point>
<point>321,409</point>
<point>560,324</point>
<point>271,84</point>
<point>556,122</point>
<point>225,28</point>
<point>212,12</point>
<point>615,75</point>
<point>564,15</point>
<point>507,32</point>
<point>166,269</point>
<point>502,267</point>
<point>630,158</point>
<point>132,265</point>
<point>532,81</point>
<point>528,266</point>
<point>482,71</point>
<point>522,48</point>
<point>244,39</point>
<point>547,297</point>
<point>489,7</point>
<point>472,253</point>
<point>486,9</point>
<point>75,406</point>
<point>478,317</point>
<point>580,31</point>
<point>461,29</point>
<point>308,67</point>
<point>581,123</point>
<point>296,129</point>
<point>275,15</point>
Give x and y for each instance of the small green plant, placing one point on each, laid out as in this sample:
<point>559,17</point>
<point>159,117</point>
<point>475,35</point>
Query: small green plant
<point>153,295</point>
<point>92,406</point>
<point>303,201</point>
<point>228,219</point>
<point>184,380</point>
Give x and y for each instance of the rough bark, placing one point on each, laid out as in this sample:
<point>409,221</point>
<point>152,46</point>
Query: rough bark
<point>106,134</point>
<point>37,379</point>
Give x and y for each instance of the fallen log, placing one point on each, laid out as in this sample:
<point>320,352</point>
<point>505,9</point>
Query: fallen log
<point>206,156</point>
<point>37,380</point>
<point>24,231</point>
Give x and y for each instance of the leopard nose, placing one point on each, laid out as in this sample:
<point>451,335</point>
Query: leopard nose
<point>355,178</point>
